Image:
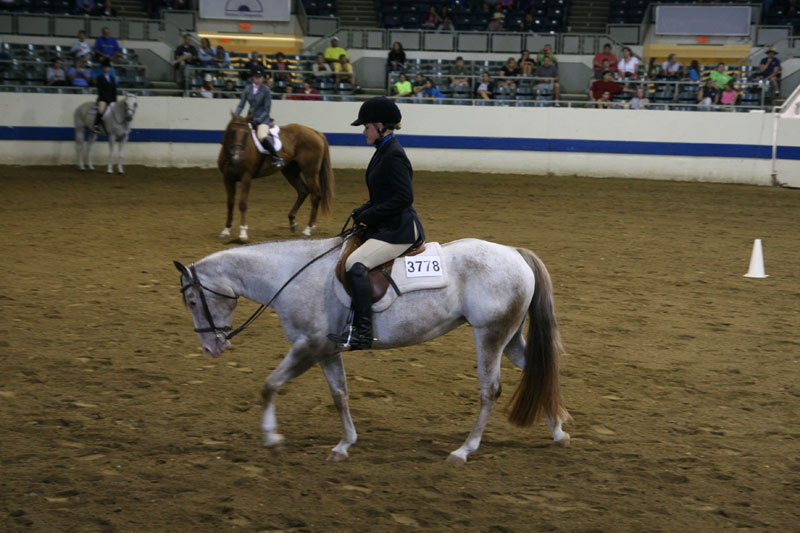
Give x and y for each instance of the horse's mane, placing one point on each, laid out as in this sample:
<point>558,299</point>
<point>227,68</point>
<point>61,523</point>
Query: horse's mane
<point>329,242</point>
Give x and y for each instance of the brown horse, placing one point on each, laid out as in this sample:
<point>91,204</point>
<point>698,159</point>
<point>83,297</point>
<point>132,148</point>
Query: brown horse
<point>308,169</point>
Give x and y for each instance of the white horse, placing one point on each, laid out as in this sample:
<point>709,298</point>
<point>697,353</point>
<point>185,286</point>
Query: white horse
<point>117,123</point>
<point>492,287</point>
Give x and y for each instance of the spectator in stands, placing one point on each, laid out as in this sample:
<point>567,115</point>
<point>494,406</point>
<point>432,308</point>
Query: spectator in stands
<point>78,74</point>
<point>322,71</point>
<point>288,93</point>
<point>730,96</point>
<point>56,74</point>
<point>770,69</point>
<point>605,54</point>
<point>708,95</point>
<point>207,90</point>
<point>396,61</point>
<point>106,91</point>
<point>496,24</point>
<point>185,54</point>
<point>639,101</point>
<point>458,74</point>
<point>547,73</point>
<point>604,102</point>
<point>598,74</point>
<point>671,69</point>
<point>693,72</point>
<point>206,54</point>
<point>446,25</point>
<point>547,51</point>
<point>607,84</point>
<point>308,92</point>
<point>485,88</point>
<point>653,69</point>
<point>345,72</point>
<point>526,63</point>
<point>431,20</point>
<point>527,24</point>
<point>282,67</point>
<point>430,90</point>
<point>222,58</point>
<point>720,77</point>
<point>228,91</point>
<point>106,46</point>
<point>334,52</point>
<point>253,63</point>
<point>509,73</point>
<point>402,86</point>
<point>628,66</point>
<point>84,7</point>
<point>418,86</point>
<point>104,9</point>
<point>81,47</point>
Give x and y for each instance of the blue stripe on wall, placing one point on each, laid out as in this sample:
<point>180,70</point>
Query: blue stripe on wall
<point>750,151</point>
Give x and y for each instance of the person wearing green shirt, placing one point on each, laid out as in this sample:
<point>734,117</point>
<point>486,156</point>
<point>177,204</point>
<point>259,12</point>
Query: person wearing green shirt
<point>402,86</point>
<point>419,85</point>
<point>719,76</point>
<point>547,51</point>
<point>334,51</point>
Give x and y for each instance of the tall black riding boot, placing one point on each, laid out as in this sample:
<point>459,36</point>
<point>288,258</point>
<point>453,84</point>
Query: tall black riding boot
<point>359,337</point>
<point>277,160</point>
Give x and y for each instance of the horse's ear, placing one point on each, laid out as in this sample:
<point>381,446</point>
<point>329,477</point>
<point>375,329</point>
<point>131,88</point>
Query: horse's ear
<point>233,115</point>
<point>182,269</point>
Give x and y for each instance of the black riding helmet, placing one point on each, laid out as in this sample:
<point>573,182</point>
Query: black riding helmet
<point>378,109</point>
<point>257,71</point>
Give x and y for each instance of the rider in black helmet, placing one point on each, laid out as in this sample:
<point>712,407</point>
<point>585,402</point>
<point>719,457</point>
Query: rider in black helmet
<point>257,94</point>
<point>392,225</point>
<point>106,91</point>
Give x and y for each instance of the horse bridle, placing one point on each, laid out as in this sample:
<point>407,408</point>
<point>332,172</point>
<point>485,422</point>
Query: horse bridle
<point>196,284</point>
<point>240,145</point>
<point>221,333</point>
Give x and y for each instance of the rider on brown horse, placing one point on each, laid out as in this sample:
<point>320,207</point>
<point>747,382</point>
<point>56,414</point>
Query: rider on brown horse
<point>392,225</point>
<point>258,96</point>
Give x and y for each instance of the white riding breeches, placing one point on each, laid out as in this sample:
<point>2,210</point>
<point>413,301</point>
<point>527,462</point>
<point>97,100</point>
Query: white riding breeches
<point>375,253</point>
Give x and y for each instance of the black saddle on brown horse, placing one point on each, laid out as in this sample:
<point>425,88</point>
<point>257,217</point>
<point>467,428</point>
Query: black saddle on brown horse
<point>380,277</point>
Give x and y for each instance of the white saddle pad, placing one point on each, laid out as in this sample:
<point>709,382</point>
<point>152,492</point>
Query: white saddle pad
<point>276,140</point>
<point>419,272</point>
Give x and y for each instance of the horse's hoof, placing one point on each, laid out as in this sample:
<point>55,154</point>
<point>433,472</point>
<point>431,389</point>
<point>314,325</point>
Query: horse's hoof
<point>293,228</point>
<point>274,442</point>
<point>336,457</point>
<point>307,231</point>
<point>456,460</point>
<point>225,233</point>
<point>564,442</point>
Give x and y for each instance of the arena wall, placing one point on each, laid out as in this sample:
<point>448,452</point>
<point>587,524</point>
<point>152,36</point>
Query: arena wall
<point>183,132</point>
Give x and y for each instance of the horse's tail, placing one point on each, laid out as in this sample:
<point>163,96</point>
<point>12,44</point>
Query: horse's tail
<point>326,178</point>
<point>538,390</point>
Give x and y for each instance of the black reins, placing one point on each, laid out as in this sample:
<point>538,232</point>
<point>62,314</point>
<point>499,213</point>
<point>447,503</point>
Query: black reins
<point>195,282</point>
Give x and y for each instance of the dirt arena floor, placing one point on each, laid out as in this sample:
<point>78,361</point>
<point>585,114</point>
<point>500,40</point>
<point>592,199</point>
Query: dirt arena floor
<point>681,375</point>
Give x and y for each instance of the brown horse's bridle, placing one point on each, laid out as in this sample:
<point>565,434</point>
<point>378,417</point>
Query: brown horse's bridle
<point>235,149</point>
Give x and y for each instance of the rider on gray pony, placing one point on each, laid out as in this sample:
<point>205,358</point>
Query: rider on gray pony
<point>258,95</point>
<point>391,223</point>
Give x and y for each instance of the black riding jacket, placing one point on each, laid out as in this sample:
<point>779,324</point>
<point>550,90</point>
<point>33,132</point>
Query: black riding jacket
<point>389,214</point>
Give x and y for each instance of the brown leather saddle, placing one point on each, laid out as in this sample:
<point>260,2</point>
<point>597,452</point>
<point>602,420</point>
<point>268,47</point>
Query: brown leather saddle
<point>380,277</point>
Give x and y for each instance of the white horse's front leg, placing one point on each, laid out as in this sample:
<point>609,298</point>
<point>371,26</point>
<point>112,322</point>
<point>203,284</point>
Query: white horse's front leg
<point>297,361</point>
<point>79,141</point>
<point>121,153</point>
<point>90,145</point>
<point>110,169</point>
<point>333,368</point>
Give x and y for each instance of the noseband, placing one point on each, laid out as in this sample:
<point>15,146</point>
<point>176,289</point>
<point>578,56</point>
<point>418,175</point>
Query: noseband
<point>195,284</point>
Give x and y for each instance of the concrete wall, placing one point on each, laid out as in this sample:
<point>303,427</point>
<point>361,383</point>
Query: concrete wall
<point>702,146</point>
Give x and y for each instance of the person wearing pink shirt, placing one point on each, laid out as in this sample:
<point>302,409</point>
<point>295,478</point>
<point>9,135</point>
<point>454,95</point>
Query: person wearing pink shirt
<point>605,54</point>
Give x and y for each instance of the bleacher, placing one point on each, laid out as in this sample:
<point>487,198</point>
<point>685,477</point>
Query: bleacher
<point>320,8</point>
<point>780,13</point>
<point>548,15</point>
<point>298,69</point>
<point>27,68</point>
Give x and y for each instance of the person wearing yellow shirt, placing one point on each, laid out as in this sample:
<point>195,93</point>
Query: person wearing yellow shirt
<point>402,86</point>
<point>334,51</point>
<point>344,70</point>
